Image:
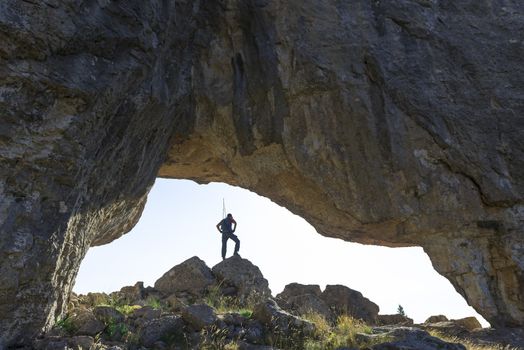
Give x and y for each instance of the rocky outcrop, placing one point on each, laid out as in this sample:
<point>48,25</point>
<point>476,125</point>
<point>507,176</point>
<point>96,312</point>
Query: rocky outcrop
<point>409,338</point>
<point>395,123</point>
<point>192,276</point>
<point>346,301</point>
<point>259,324</point>
<point>281,322</point>
<point>436,318</point>
<point>334,301</point>
<point>395,319</point>
<point>240,278</point>
<point>304,299</point>
<point>454,328</point>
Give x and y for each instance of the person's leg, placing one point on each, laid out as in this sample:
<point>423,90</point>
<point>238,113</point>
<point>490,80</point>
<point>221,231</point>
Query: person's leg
<point>237,242</point>
<point>224,245</point>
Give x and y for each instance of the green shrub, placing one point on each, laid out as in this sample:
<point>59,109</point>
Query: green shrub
<point>155,303</point>
<point>113,329</point>
<point>127,309</point>
<point>66,325</point>
<point>400,311</point>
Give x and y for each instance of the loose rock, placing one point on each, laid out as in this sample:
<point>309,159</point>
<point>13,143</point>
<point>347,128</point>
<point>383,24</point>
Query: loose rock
<point>199,316</point>
<point>84,322</point>
<point>159,328</point>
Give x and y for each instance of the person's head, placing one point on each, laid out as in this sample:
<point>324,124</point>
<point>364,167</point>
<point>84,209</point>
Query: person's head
<point>229,216</point>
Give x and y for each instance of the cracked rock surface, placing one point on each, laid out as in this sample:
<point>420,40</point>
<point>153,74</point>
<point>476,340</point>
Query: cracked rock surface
<point>392,123</point>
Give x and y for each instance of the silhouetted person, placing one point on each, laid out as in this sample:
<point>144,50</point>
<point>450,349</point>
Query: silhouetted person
<point>225,227</point>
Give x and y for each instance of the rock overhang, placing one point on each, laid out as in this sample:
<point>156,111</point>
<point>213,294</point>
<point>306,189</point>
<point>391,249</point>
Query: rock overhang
<point>384,123</point>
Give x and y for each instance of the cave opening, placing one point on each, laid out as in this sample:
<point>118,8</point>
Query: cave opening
<point>179,221</point>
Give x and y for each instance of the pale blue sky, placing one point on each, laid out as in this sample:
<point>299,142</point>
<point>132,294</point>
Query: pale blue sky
<point>179,222</point>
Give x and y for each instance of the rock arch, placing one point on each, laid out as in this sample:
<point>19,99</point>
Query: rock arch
<point>378,122</point>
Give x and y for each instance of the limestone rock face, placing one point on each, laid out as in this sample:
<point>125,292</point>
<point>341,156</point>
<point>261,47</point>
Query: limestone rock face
<point>87,111</point>
<point>379,122</point>
<point>394,122</point>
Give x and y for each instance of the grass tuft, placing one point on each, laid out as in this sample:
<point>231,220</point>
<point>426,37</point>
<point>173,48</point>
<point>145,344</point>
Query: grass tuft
<point>127,309</point>
<point>470,345</point>
<point>342,334</point>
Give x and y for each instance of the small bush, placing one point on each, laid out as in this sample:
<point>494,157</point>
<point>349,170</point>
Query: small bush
<point>65,324</point>
<point>116,329</point>
<point>225,304</point>
<point>127,309</point>
<point>247,313</point>
<point>155,303</point>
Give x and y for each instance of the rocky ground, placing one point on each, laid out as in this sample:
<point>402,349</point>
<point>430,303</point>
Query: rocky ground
<point>231,307</point>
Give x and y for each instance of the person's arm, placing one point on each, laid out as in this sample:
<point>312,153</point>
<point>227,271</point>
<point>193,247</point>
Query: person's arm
<point>234,222</point>
<point>218,227</point>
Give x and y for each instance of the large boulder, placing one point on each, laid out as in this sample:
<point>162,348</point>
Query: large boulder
<point>131,294</point>
<point>436,318</point>
<point>303,299</point>
<point>455,328</point>
<point>404,338</point>
<point>245,278</point>
<point>160,329</point>
<point>108,314</point>
<point>281,322</point>
<point>84,322</point>
<point>346,301</point>
<point>199,316</point>
<point>192,276</point>
<point>470,323</point>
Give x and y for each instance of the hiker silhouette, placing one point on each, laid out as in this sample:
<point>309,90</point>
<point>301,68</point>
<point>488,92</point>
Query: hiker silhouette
<point>225,227</point>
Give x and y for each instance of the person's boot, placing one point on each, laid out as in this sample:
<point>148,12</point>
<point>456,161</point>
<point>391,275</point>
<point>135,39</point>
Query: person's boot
<point>236,254</point>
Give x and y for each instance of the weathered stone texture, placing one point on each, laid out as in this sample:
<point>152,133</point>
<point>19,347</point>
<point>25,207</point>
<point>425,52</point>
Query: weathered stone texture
<point>192,276</point>
<point>87,108</point>
<point>387,122</point>
<point>394,123</point>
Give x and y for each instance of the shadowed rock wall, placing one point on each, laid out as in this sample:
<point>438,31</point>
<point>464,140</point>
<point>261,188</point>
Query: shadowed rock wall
<point>393,123</point>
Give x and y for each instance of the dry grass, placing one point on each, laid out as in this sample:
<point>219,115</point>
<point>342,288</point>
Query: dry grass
<point>342,334</point>
<point>469,344</point>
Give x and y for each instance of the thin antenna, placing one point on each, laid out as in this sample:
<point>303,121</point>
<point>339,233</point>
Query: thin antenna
<point>223,208</point>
